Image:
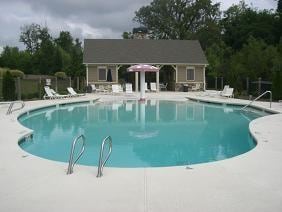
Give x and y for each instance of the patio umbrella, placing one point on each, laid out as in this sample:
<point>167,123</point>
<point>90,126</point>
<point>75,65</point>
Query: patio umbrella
<point>109,76</point>
<point>142,68</point>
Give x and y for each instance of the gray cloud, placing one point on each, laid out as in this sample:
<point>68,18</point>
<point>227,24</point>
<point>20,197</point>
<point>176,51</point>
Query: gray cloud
<point>83,18</point>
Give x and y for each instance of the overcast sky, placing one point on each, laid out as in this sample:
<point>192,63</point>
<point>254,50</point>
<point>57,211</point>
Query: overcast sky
<point>83,18</point>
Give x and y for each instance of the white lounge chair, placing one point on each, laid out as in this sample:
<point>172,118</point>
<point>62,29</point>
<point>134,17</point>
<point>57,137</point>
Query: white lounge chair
<point>73,93</point>
<point>48,93</point>
<point>116,89</point>
<point>59,96</point>
<point>153,86</point>
<point>120,88</point>
<point>99,89</point>
<point>128,88</point>
<point>196,87</point>
<point>228,93</point>
<point>224,90</point>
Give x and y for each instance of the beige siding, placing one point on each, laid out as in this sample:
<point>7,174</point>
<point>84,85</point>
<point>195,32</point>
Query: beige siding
<point>93,74</point>
<point>181,74</point>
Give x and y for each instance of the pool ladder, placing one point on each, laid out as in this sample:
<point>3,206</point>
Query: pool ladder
<point>71,162</point>
<point>270,99</point>
<point>10,109</point>
<point>102,161</point>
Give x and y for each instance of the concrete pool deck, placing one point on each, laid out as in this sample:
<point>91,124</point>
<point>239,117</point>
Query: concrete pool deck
<point>248,182</point>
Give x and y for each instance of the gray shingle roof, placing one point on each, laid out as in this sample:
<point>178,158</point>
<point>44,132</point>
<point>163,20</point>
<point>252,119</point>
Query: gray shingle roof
<point>135,51</point>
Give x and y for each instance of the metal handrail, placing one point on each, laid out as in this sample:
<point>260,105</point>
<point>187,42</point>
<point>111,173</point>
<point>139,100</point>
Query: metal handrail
<point>270,99</point>
<point>71,163</point>
<point>9,111</point>
<point>101,162</point>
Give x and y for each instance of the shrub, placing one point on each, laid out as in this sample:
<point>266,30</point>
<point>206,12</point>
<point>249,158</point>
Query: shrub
<point>60,75</point>
<point>9,88</point>
<point>3,71</point>
<point>14,73</point>
<point>17,73</point>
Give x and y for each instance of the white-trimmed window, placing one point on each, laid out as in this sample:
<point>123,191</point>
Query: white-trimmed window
<point>190,73</point>
<point>102,73</point>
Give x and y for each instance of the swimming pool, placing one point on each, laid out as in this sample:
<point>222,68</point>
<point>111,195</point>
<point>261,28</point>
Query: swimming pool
<point>155,133</point>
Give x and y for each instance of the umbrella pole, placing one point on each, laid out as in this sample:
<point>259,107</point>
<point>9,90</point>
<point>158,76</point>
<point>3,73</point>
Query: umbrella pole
<point>142,85</point>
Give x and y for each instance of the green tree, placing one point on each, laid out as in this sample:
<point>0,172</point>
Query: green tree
<point>127,35</point>
<point>30,36</point>
<point>179,19</point>
<point>240,22</point>
<point>9,89</point>
<point>254,60</point>
<point>218,55</point>
<point>279,6</point>
<point>65,41</point>
<point>78,69</point>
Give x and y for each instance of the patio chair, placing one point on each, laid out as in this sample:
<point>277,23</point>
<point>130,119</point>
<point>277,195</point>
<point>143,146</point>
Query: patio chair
<point>99,89</point>
<point>153,86</point>
<point>116,89</point>
<point>128,88</point>
<point>59,96</point>
<point>73,93</point>
<point>228,93</point>
<point>120,88</point>
<point>224,90</point>
<point>48,93</point>
<point>196,87</point>
<point>163,86</point>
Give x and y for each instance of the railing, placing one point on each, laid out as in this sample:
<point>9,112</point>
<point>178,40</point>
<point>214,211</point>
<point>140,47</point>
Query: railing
<point>71,162</point>
<point>270,99</point>
<point>10,109</point>
<point>101,162</point>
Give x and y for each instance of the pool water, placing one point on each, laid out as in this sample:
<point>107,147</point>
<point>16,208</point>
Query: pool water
<point>149,134</point>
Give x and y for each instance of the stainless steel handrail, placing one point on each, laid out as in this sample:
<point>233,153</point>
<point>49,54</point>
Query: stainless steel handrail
<point>71,163</point>
<point>270,99</point>
<point>9,111</point>
<point>101,162</point>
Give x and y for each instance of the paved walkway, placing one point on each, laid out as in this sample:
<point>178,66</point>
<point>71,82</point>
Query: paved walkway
<point>248,182</point>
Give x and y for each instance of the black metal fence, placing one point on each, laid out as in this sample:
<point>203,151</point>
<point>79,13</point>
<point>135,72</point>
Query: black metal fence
<point>249,87</point>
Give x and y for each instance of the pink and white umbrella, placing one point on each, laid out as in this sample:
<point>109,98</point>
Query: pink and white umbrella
<point>142,68</point>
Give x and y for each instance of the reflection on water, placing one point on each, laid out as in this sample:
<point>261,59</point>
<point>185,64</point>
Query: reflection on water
<point>151,133</point>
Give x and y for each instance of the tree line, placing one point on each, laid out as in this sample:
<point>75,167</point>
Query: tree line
<point>239,42</point>
<point>44,54</point>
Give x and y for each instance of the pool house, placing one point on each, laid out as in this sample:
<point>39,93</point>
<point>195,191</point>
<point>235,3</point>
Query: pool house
<point>182,63</point>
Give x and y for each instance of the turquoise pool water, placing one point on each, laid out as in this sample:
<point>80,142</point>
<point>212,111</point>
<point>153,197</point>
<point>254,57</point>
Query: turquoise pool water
<point>151,134</point>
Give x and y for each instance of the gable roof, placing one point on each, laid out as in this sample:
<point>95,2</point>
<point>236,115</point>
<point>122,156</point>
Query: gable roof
<point>135,51</point>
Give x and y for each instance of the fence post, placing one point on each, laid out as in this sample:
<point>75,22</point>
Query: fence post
<point>215,83</point>
<point>56,84</point>
<point>259,85</point>
<point>221,83</point>
<point>70,82</point>
<point>39,88</point>
<point>19,88</point>
<point>77,83</point>
<point>247,85</point>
